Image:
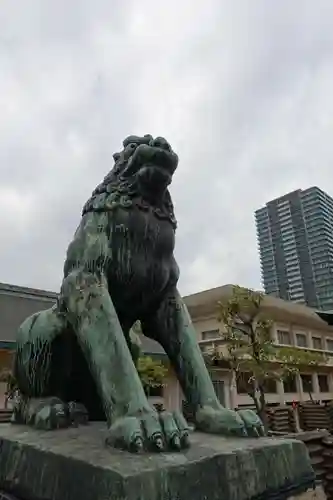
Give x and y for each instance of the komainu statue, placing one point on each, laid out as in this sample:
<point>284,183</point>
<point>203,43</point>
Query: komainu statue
<point>75,362</point>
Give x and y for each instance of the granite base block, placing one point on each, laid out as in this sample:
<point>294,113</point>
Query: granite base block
<point>74,464</point>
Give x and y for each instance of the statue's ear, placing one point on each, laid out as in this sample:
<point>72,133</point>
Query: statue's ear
<point>135,139</point>
<point>116,157</point>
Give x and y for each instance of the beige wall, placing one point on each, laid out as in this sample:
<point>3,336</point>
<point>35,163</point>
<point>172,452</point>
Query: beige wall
<point>173,394</point>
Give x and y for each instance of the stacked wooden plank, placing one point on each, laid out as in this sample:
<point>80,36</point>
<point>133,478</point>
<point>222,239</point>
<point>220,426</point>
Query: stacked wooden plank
<point>314,416</point>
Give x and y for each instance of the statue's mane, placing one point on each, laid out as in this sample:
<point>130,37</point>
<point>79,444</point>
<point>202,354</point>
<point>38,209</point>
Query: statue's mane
<point>120,191</point>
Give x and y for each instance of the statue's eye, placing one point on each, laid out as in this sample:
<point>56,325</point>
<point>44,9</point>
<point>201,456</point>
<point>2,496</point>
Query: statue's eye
<point>160,142</point>
<point>129,150</point>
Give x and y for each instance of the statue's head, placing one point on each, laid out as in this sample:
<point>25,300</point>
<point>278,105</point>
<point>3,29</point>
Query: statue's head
<point>151,161</point>
<point>141,175</point>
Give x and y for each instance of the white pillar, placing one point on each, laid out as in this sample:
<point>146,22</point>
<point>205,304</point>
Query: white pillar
<point>297,420</point>
<point>308,338</point>
<point>274,334</point>
<point>233,391</point>
<point>299,387</point>
<point>280,391</point>
<point>330,382</point>
<point>292,335</point>
<point>315,386</point>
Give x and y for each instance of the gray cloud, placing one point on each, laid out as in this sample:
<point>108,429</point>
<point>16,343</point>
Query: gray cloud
<point>241,89</point>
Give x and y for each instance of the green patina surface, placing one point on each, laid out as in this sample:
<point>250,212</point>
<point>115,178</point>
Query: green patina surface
<point>77,358</point>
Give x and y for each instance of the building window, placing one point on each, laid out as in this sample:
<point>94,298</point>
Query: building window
<point>244,386</point>
<point>284,337</point>
<point>323,383</point>
<point>155,392</point>
<point>219,390</point>
<point>289,384</point>
<point>307,382</point>
<point>243,383</point>
<point>329,344</point>
<point>301,340</point>
<point>210,335</point>
<point>270,386</point>
<point>317,343</point>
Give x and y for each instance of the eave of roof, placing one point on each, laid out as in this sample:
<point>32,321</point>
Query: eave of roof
<point>326,316</point>
<point>26,291</point>
<point>206,303</point>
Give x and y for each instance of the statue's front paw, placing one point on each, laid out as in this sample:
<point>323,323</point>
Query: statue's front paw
<point>49,413</point>
<point>228,422</point>
<point>150,431</point>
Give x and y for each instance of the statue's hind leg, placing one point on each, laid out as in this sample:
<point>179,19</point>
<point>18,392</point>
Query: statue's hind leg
<point>41,371</point>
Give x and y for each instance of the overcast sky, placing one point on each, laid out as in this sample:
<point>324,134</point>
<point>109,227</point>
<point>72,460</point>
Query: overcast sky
<point>243,90</point>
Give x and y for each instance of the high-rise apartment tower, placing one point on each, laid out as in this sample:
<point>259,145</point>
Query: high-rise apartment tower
<point>295,237</point>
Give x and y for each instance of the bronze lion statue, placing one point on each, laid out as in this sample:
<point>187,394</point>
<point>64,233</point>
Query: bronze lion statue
<point>75,362</point>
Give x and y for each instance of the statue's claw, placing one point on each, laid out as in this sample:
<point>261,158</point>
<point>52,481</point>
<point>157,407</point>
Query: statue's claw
<point>158,442</point>
<point>154,431</point>
<point>244,433</point>
<point>137,445</point>
<point>175,443</point>
<point>253,423</point>
<point>185,439</point>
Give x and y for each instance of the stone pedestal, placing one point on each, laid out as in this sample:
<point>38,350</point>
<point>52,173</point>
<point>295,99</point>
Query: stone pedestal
<point>74,464</point>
